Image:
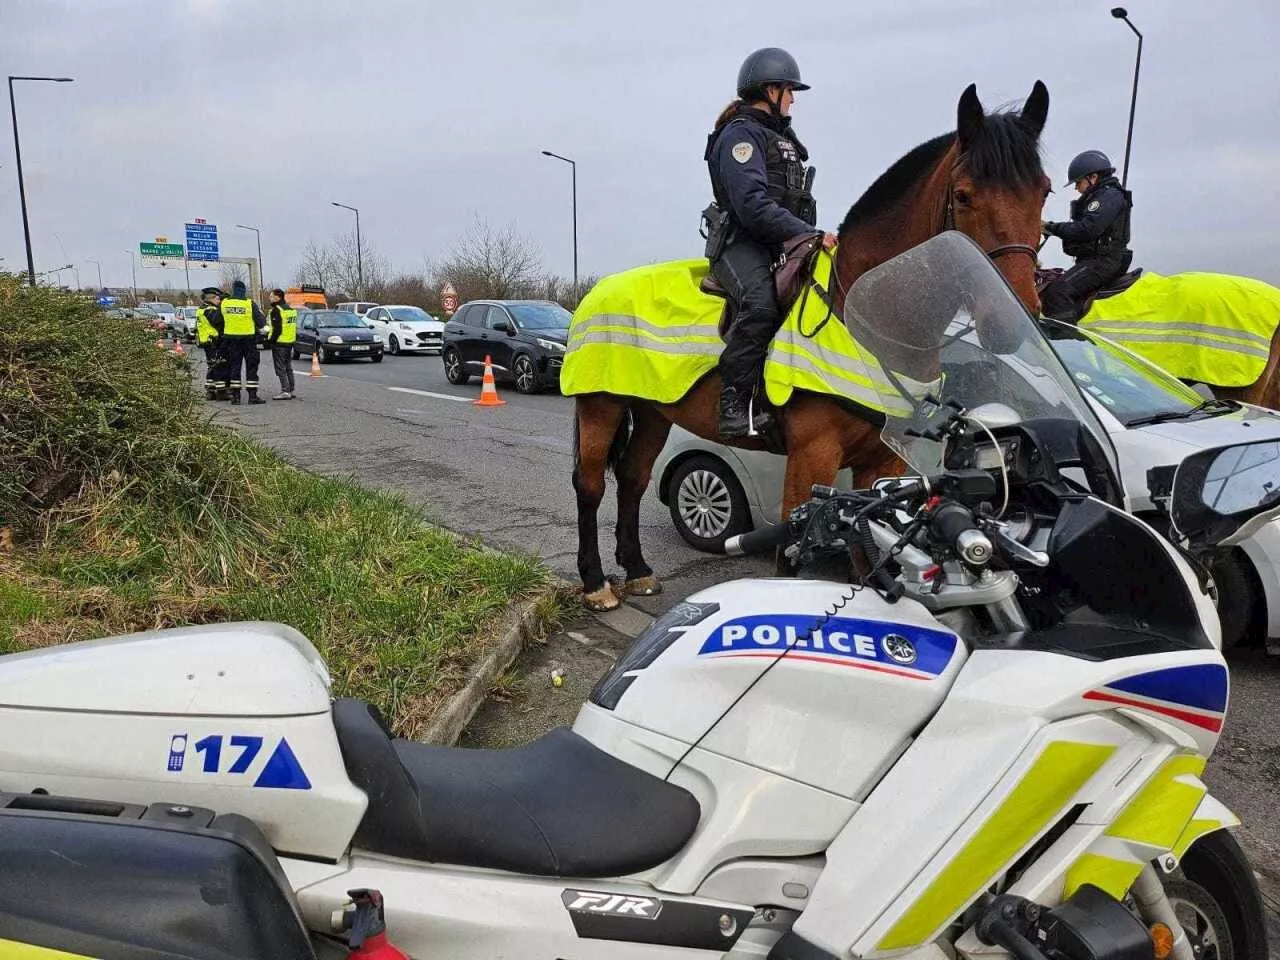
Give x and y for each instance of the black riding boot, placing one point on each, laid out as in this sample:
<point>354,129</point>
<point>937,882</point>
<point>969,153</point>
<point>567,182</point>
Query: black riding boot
<point>734,413</point>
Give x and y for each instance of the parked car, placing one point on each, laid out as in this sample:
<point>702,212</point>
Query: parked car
<point>153,320</point>
<point>167,312</point>
<point>185,323</point>
<point>714,492</point>
<point>358,307</point>
<point>405,329</point>
<point>334,335</point>
<point>525,339</point>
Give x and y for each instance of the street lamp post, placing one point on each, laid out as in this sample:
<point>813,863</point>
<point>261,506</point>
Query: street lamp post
<point>359,255</point>
<point>261,274</point>
<point>17,154</point>
<point>99,266</point>
<point>574,167</point>
<point>1120,13</point>
<point>133,274</point>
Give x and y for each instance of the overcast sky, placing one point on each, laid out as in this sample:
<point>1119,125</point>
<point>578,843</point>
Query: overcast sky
<point>428,115</point>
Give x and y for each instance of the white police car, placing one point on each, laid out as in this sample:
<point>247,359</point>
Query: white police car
<point>715,492</point>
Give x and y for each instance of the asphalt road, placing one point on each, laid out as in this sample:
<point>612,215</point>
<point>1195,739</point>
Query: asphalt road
<point>503,474</point>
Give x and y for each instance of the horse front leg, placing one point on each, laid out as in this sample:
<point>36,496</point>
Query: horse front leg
<point>634,471</point>
<point>599,419</point>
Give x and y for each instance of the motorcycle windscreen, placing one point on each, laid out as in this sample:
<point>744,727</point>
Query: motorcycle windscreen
<point>940,325</point>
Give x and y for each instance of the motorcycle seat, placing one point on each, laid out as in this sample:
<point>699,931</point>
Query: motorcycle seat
<point>559,806</point>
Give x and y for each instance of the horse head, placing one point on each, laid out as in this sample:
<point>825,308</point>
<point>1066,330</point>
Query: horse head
<point>996,186</point>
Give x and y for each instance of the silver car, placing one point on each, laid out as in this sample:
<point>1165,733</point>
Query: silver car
<point>716,492</point>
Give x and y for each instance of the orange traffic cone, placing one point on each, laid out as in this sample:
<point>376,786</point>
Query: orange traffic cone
<point>488,389</point>
<point>178,351</point>
<point>315,364</point>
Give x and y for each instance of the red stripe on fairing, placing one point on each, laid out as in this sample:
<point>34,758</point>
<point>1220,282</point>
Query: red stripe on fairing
<point>1213,724</point>
<point>839,662</point>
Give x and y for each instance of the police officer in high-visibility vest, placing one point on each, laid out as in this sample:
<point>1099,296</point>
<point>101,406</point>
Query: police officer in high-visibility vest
<point>1097,235</point>
<point>281,335</point>
<point>762,198</point>
<point>208,330</point>
<point>241,321</point>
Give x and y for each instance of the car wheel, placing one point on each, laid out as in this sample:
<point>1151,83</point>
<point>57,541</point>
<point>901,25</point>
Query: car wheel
<point>707,503</point>
<point>1237,597</point>
<point>394,345</point>
<point>376,358</point>
<point>525,374</point>
<point>453,369</point>
<point>324,355</point>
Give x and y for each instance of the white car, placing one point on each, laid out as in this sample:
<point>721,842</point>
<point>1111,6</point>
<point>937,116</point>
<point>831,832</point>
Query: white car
<point>716,492</point>
<point>184,323</point>
<point>406,329</point>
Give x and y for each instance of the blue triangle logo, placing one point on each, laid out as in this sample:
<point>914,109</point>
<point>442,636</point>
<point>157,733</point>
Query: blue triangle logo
<point>283,771</point>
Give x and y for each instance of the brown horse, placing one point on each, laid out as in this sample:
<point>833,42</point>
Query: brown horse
<point>984,179</point>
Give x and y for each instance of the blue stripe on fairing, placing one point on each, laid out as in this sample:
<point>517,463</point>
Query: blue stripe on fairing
<point>1202,685</point>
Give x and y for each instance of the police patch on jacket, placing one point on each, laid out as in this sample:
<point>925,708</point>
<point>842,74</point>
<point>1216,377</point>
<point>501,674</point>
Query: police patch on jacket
<point>788,151</point>
<point>742,151</point>
<point>1093,205</point>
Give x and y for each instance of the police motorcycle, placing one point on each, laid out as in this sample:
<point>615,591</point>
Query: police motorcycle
<point>974,726</point>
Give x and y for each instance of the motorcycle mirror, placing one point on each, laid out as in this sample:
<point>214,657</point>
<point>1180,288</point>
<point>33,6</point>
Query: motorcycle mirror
<point>1222,495</point>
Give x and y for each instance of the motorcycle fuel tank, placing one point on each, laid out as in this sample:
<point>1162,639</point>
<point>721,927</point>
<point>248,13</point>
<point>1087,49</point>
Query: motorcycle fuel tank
<point>815,681</point>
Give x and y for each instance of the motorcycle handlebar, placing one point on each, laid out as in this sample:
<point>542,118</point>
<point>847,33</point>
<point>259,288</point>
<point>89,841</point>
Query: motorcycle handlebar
<point>758,541</point>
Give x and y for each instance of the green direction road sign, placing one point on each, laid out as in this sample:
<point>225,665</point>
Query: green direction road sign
<point>161,251</point>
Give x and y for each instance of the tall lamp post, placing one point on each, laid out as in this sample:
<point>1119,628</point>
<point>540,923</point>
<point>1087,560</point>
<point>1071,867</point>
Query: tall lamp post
<point>133,274</point>
<point>359,255</point>
<point>17,153</point>
<point>1120,13</point>
<point>574,166</point>
<point>261,273</point>
<point>99,266</point>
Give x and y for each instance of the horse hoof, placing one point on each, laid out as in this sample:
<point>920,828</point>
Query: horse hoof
<point>643,586</point>
<point>602,600</point>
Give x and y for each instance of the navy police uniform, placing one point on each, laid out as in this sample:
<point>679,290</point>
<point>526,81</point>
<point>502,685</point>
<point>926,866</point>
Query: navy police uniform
<point>1097,235</point>
<point>760,183</point>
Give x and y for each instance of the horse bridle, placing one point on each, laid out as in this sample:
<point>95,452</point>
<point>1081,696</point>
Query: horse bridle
<point>949,223</point>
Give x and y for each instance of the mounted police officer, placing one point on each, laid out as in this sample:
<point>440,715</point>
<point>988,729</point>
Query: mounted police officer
<point>1097,235</point>
<point>762,199</point>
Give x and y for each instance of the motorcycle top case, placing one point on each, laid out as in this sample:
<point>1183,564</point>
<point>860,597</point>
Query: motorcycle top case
<point>234,717</point>
<point>116,881</point>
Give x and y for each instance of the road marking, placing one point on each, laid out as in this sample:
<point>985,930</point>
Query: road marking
<point>428,393</point>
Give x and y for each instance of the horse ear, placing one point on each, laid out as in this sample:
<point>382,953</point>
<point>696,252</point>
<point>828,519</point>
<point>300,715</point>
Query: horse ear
<point>1036,110</point>
<point>970,117</point>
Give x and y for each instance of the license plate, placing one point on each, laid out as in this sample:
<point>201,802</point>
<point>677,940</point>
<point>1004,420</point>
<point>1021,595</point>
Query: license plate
<point>359,348</point>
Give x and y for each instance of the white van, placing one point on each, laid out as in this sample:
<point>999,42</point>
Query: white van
<point>358,307</point>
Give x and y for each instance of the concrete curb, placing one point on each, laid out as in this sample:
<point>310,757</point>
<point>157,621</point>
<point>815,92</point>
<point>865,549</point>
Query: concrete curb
<point>518,626</point>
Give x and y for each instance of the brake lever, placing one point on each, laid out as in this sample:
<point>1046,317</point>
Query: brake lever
<point>1015,548</point>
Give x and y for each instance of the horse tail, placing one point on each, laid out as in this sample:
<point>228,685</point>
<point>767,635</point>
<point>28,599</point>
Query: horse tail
<point>621,438</point>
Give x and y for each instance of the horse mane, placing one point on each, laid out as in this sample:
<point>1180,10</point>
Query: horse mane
<point>1006,152</point>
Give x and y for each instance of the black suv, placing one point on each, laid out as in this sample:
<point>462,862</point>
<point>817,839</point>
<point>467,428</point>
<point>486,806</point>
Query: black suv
<point>524,339</point>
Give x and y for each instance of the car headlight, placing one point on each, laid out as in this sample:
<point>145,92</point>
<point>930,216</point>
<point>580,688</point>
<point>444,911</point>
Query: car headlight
<point>333,339</point>
<point>555,346</point>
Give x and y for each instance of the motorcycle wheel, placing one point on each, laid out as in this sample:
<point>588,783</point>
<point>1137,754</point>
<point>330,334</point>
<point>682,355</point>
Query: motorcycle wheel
<point>1217,901</point>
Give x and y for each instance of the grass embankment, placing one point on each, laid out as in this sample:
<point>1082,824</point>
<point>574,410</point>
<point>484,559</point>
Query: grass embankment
<point>123,508</point>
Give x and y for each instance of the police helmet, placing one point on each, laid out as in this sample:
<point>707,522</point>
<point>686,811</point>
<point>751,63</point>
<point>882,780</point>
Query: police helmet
<point>1091,161</point>
<point>766,66</point>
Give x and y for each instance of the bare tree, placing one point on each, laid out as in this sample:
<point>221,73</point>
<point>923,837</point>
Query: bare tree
<point>489,264</point>
<point>337,267</point>
<point>231,272</point>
